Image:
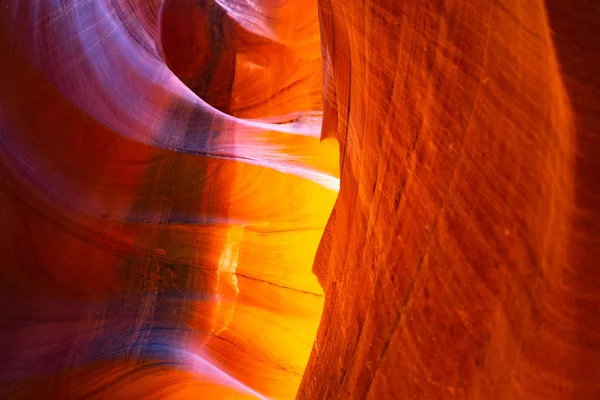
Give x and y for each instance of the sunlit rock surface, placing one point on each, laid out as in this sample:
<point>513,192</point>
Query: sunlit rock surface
<point>462,258</point>
<point>165,188</point>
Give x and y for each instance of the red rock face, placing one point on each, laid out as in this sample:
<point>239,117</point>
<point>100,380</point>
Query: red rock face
<point>164,190</point>
<point>460,261</point>
<point>166,186</point>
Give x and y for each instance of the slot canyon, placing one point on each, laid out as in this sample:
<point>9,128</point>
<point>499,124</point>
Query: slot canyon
<point>299,199</point>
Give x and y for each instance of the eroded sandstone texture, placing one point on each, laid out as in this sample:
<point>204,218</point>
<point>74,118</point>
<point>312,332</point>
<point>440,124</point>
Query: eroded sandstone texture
<point>163,192</point>
<point>462,256</point>
<point>164,189</point>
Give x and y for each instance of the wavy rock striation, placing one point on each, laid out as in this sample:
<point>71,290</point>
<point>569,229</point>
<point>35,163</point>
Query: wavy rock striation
<point>163,193</point>
<point>461,258</point>
<point>170,168</point>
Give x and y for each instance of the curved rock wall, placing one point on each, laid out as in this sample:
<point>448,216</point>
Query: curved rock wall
<point>160,202</point>
<point>168,170</point>
<point>461,260</point>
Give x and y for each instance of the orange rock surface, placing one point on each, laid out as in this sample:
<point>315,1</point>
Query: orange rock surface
<point>168,218</point>
<point>157,239</point>
<point>461,259</point>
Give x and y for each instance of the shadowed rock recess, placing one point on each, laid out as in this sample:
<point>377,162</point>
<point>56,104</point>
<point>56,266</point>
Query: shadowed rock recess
<point>347,199</point>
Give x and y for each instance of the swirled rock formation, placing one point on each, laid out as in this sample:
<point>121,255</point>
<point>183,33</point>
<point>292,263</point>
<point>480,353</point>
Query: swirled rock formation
<point>169,170</point>
<point>164,190</point>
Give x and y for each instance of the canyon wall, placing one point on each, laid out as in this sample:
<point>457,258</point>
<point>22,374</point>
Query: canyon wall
<point>163,190</point>
<point>461,258</point>
<point>170,168</point>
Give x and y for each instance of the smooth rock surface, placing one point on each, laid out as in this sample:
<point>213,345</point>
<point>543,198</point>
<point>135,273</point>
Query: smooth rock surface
<point>168,171</point>
<point>161,202</point>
